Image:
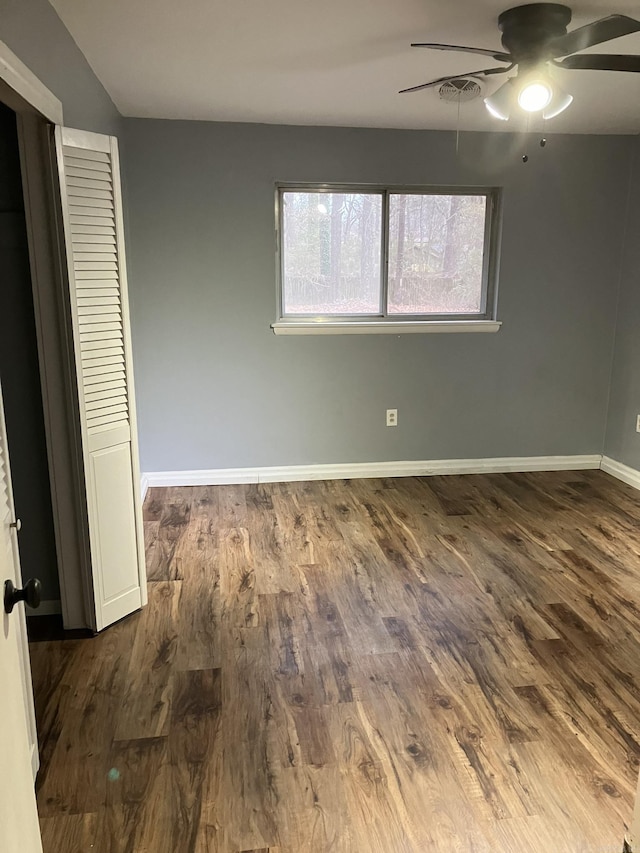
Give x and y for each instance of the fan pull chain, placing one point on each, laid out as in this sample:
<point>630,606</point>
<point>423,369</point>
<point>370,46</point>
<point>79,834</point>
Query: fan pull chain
<point>525,156</point>
<point>458,124</point>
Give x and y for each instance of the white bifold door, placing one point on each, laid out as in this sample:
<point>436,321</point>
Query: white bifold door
<point>92,216</point>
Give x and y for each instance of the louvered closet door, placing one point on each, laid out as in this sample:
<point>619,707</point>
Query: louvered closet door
<point>92,214</point>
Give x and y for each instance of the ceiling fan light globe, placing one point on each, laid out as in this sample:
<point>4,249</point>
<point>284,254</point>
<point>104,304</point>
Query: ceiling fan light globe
<point>495,112</point>
<point>535,96</point>
<point>500,103</point>
<point>559,103</point>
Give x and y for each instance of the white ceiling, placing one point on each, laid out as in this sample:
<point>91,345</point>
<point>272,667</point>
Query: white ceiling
<point>323,62</point>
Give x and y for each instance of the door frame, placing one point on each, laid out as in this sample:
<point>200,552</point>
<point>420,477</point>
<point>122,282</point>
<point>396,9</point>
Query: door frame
<point>37,109</point>
<point>29,90</point>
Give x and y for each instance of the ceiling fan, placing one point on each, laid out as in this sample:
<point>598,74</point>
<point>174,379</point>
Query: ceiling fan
<point>535,39</point>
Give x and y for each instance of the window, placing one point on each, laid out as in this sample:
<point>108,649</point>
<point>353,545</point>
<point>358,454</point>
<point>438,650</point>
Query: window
<point>386,259</point>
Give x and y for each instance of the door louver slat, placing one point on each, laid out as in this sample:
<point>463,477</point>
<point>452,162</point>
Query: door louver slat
<point>94,266</point>
<point>106,335</point>
<point>115,385</point>
<point>90,359</point>
<point>90,311</point>
<point>82,224</point>
<point>100,290</point>
<point>107,377</point>
<point>85,154</point>
<point>91,288</point>
<point>98,301</point>
<point>106,401</point>
<point>92,200</point>
<point>98,214</point>
<point>103,193</point>
<point>79,161</point>
<point>89,245</point>
<point>84,254</point>
<point>85,172</point>
<point>112,363</point>
<point>92,319</point>
<point>113,416</point>
<point>91,238</point>
<point>100,181</point>
<point>89,274</point>
<point>98,327</point>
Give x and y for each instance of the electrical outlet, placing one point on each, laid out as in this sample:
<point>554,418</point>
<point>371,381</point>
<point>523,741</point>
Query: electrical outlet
<point>392,417</point>
<point>638,423</point>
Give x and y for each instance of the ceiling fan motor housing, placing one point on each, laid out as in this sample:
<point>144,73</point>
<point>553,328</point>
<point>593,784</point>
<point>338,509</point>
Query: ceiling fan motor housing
<point>528,31</point>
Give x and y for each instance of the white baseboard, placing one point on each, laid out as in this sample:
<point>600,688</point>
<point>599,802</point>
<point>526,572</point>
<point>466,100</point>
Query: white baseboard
<point>622,472</point>
<point>50,607</point>
<point>292,473</point>
<point>144,486</point>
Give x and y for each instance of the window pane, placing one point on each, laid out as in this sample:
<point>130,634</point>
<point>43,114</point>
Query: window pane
<point>436,248</point>
<point>331,244</point>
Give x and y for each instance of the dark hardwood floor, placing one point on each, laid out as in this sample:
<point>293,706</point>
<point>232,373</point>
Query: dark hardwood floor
<point>425,664</point>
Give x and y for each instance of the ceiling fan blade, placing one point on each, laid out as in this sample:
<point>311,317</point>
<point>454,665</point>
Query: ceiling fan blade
<point>599,31</point>
<point>500,55</point>
<point>485,71</point>
<point>601,62</point>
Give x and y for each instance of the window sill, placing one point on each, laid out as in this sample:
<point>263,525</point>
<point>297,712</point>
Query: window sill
<point>381,327</point>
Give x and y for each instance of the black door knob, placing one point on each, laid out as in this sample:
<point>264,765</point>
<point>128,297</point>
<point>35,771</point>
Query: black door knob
<point>31,593</point>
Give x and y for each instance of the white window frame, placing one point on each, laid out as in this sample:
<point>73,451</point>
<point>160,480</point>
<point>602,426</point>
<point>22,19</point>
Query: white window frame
<point>383,322</point>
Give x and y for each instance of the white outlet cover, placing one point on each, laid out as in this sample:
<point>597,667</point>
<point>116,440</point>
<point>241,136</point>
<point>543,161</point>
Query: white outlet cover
<point>392,417</point>
<point>638,423</point>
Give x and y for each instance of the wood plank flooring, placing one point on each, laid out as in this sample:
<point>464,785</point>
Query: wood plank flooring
<point>423,664</point>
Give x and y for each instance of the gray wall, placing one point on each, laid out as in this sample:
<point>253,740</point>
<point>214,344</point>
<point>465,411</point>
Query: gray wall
<point>622,440</point>
<point>35,33</point>
<point>216,388</point>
